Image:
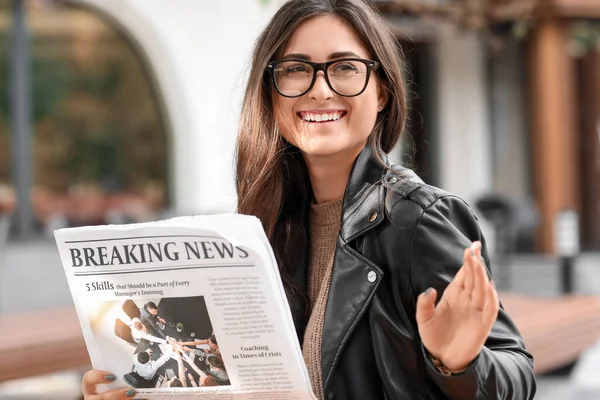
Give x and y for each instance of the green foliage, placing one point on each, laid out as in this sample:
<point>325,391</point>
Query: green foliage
<point>585,37</point>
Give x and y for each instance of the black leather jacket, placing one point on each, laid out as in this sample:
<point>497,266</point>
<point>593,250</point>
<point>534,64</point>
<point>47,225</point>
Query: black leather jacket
<point>399,237</point>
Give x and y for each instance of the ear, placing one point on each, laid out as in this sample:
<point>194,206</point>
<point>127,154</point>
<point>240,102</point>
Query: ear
<point>382,98</point>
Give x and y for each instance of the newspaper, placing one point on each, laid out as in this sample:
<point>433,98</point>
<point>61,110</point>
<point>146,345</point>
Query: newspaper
<point>191,307</point>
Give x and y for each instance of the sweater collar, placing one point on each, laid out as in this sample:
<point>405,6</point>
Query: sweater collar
<point>326,214</point>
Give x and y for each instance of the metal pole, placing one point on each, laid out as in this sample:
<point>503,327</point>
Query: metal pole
<point>20,109</point>
<point>566,271</point>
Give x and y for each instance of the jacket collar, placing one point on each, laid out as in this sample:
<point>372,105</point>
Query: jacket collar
<point>363,200</point>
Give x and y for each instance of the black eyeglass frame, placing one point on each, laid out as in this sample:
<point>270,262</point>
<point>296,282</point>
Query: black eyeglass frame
<point>370,64</point>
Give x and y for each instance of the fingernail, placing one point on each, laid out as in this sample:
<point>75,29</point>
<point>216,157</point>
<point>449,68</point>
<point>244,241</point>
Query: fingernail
<point>110,377</point>
<point>428,291</point>
<point>130,393</point>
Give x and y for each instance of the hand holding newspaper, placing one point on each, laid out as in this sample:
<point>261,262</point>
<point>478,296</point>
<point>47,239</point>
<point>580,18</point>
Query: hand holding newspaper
<point>191,307</point>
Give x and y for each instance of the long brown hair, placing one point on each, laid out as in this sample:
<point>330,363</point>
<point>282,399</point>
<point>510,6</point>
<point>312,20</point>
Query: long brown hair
<point>272,179</point>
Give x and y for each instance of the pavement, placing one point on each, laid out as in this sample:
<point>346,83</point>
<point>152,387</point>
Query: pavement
<point>32,278</point>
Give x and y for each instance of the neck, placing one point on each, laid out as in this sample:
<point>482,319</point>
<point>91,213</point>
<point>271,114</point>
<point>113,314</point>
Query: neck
<point>329,174</point>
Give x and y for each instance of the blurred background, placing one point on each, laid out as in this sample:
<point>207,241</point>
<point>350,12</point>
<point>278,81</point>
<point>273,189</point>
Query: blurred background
<point>117,111</point>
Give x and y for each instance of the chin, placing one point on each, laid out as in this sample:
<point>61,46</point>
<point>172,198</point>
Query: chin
<point>321,151</point>
<point>324,148</point>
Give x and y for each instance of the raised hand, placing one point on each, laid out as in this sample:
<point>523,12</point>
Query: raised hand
<point>456,329</point>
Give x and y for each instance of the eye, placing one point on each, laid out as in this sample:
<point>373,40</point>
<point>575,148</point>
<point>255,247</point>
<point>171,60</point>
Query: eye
<point>290,68</point>
<point>345,67</point>
<point>297,68</point>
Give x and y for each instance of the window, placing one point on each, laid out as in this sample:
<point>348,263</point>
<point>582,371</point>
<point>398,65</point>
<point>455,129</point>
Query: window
<point>100,144</point>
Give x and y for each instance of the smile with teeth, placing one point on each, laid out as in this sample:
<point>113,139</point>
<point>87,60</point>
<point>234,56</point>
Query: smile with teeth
<point>321,117</point>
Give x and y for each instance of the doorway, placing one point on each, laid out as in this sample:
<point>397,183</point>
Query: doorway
<point>419,148</point>
<point>588,71</point>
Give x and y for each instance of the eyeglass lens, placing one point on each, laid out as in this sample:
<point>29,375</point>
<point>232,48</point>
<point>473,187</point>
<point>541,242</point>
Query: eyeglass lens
<point>346,77</point>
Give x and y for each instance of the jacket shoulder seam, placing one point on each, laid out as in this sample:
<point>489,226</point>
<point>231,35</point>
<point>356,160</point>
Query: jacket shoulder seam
<point>432,198</point>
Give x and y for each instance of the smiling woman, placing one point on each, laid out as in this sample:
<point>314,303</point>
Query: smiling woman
<point>364,247</point>
<point>326,101</point>
<point>358,100</point>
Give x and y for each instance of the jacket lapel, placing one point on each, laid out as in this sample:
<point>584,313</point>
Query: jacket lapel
<point>354,278</point>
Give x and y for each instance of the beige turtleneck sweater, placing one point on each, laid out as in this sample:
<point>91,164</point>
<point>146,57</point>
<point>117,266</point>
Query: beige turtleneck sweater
<point>325,222</point>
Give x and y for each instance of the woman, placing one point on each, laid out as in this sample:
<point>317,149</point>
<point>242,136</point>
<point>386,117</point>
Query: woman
<point>386,276</point>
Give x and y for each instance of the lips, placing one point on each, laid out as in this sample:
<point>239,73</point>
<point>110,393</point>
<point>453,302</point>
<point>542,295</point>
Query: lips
<point>321,116</point>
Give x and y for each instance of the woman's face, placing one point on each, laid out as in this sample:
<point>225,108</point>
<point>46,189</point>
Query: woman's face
<point>322,39</point>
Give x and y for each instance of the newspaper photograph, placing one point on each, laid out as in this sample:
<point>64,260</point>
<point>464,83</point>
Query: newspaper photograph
<point>191,307</point>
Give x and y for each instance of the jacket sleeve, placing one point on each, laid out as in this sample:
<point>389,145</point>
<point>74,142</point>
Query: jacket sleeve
<point>503,369</point>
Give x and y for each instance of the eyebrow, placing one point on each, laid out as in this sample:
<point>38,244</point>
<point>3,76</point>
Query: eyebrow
<point>332,56</point>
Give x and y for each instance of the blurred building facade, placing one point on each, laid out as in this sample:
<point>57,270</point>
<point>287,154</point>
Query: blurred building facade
<point>137,104</point>
<point>516,110</point>
<point>134,106</point>
<point>564,82</point>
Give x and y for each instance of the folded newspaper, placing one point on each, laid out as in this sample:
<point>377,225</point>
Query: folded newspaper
<point>190,307</point>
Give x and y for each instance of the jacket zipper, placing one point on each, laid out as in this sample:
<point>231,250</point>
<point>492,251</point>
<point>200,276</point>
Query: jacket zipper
<point>384,395</point>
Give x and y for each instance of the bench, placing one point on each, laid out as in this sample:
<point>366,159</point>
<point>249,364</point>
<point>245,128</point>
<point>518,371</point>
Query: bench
<point>556,330</point>
<point>41,342</point>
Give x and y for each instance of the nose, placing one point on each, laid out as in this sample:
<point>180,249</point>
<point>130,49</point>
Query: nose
<point>320,90</point>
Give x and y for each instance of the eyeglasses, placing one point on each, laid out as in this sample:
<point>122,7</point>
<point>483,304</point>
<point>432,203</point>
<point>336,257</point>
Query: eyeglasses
<point>347,77</point>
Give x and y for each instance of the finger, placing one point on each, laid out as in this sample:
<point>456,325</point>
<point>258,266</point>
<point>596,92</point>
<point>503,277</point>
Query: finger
<point>492,305</point>
<point>426,305</point>
<point>95,377</point>
<point>456,285</point>
<point>481,281</point>
<point>482,260</point>
<point>459,278</point>
<point>469,271</point>
<point>118,394</point>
